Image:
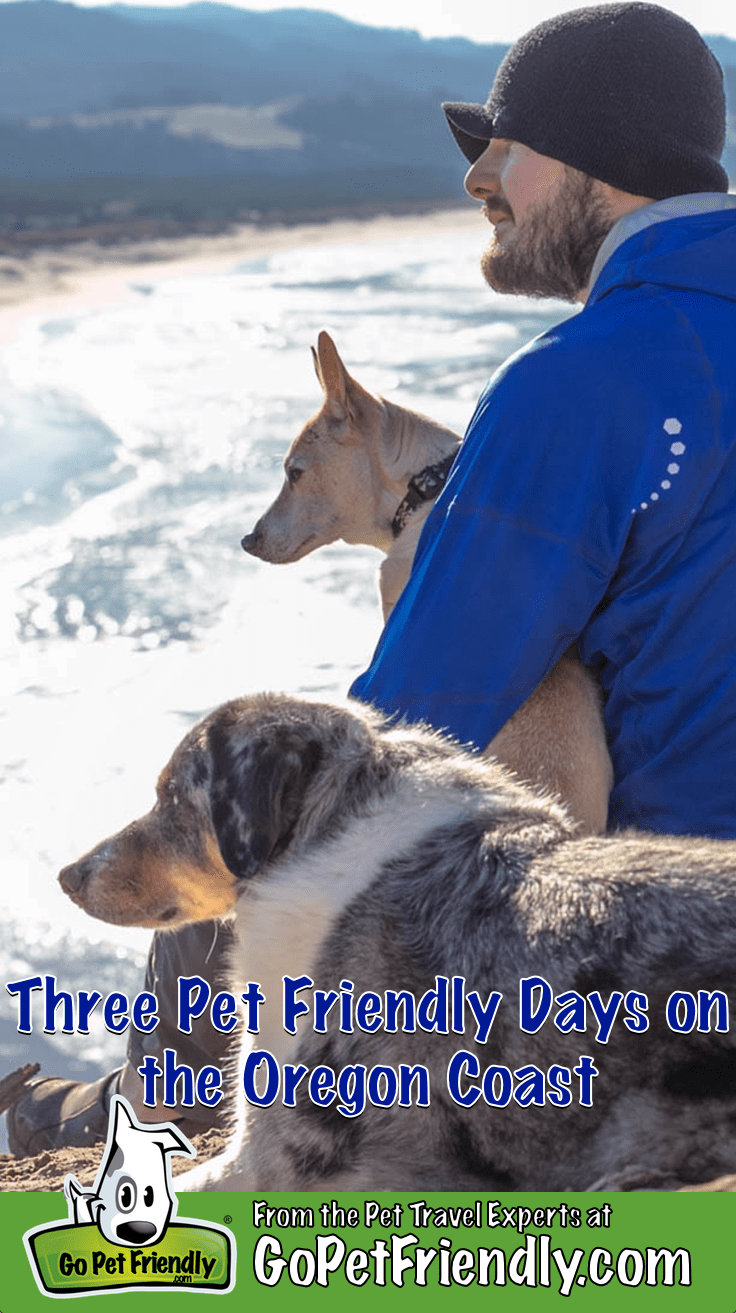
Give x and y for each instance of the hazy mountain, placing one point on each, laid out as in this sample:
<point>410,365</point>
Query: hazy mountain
<point>290,109</point>
<point>58,59</point>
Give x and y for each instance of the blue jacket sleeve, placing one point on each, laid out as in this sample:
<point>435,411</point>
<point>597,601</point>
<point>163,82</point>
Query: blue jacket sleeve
<point>513,560</point>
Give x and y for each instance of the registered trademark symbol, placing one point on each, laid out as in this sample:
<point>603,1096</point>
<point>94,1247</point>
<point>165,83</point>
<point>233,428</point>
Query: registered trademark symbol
<point>227,1218</point>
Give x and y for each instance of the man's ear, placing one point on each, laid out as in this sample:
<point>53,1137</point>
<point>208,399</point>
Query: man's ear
<point>258,789</point>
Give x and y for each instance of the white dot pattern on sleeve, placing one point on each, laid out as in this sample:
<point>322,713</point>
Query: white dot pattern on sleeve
<point>671,427</point>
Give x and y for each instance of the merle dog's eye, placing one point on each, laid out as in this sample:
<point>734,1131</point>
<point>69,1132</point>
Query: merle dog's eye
<point>148,1196</point>
<point>294,474</point>
<point>125,1195</point>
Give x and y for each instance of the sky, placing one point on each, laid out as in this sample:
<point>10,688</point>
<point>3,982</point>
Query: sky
<point>480,20</point>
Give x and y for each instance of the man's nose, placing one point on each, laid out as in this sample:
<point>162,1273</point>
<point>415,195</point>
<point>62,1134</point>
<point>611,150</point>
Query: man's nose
<point>482,177</point>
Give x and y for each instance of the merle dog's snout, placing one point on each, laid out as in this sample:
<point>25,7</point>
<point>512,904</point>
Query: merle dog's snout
<point>72,878</point>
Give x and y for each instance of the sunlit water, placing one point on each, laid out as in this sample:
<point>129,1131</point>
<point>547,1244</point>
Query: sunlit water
<point>139,442</point>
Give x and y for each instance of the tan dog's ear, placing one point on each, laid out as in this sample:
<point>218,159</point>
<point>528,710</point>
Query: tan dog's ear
<point>356,410</point>
<point>331,372</point>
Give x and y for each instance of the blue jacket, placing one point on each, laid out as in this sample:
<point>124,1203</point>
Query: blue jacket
<point>594,499</point>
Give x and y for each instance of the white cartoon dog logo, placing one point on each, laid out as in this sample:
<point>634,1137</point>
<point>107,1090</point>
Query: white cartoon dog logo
<point>132,1201</point>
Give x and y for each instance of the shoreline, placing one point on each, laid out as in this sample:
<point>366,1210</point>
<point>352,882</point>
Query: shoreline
<point>87,272</point>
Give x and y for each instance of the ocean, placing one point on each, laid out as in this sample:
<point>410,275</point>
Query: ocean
<point>139,441</point>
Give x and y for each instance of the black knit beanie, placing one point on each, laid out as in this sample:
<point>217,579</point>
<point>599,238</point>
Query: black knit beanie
<point>628,93</point>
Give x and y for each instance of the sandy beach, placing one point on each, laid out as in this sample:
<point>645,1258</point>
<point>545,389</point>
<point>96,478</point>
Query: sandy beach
<point>48,278</point>
<point>48,1170</point>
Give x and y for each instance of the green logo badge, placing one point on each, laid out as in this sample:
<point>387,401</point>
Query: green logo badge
<point>121,1235</point>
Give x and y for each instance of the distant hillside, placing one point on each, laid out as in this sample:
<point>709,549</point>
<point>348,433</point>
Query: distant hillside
<point>58,59</point>
<point>152,111</point>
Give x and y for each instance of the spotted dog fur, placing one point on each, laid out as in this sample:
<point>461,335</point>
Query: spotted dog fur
<point>346,847</point>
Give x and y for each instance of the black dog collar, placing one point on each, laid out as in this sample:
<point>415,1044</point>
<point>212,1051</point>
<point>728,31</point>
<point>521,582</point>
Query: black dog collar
<point>423,487</point>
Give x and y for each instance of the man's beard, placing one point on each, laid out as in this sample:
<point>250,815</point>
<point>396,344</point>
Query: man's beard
<point>552,251</point>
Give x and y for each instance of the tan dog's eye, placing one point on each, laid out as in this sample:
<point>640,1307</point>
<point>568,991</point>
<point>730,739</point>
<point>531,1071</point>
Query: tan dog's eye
<point>294,474</point>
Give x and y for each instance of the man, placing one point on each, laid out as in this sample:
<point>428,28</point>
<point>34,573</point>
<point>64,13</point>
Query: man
<point>54,1113</point>
<point>593,496</point>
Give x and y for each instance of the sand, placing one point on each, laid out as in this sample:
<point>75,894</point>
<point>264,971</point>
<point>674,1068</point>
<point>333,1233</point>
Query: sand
<point>48,1170</point>
<point>74,275</point>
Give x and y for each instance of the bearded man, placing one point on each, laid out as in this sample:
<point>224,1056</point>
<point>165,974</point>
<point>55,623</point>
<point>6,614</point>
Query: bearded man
<point>593,499</point>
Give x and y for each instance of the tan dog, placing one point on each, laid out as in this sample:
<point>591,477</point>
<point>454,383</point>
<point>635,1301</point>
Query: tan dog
<point>348,473</point>
<point>348,476</point>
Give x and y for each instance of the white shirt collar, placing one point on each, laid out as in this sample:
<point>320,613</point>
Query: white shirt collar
<point>673,207</point>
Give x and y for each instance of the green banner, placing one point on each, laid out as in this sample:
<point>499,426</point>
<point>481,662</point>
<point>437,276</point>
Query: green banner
<point>306,1251</point>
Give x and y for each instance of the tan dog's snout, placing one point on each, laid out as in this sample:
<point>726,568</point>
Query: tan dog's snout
<point>250,542</point>
<point>256,542</point>
<point>293,526</point>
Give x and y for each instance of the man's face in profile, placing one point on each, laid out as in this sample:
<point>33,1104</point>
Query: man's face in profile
<point>549,221</point>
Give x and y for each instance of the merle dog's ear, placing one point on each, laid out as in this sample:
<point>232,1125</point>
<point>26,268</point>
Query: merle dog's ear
<point>258,789</point>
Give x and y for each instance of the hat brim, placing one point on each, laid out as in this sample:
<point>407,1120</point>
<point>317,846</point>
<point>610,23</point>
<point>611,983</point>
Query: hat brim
<point>471,126</point>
